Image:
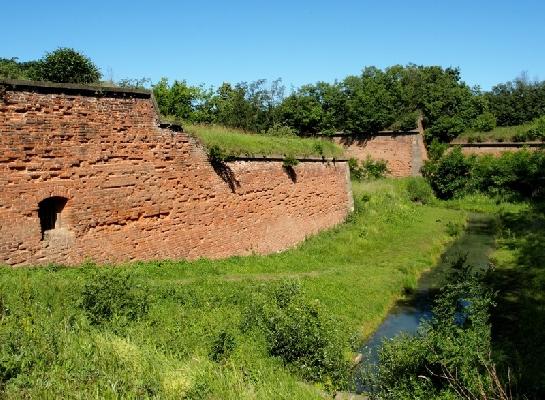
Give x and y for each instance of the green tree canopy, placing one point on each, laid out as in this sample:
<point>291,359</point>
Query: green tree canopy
<point>66,65</point>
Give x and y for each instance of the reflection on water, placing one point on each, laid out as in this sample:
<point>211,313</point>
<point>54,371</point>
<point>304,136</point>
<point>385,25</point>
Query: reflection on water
<point>475,243</point>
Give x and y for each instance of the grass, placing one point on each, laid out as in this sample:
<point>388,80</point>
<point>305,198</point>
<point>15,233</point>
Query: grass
<point>356,272</point>
<point>498,134</point>
<point>240,143</point>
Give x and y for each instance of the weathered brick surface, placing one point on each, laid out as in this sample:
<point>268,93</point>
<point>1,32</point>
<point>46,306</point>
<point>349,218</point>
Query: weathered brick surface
<point>139,192</point>
<point>403,153</point>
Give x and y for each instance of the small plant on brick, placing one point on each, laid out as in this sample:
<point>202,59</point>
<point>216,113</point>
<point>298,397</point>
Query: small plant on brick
<point>290,161</point>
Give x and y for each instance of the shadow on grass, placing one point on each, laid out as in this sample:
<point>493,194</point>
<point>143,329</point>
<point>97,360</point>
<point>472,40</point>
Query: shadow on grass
<point>518,322</point>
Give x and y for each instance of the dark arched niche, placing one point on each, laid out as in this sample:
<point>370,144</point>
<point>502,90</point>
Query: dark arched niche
<point>50,213</point>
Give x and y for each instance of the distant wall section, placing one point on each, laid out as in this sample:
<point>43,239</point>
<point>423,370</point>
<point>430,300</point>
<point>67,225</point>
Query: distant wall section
<point>404,152</point>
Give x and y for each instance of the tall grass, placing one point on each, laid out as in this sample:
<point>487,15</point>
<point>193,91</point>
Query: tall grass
<point>498,134</point>
<point>235,142</point>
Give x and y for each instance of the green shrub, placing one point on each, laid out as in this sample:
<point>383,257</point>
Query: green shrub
<point>298,332</point>
<point>419,190</point>
<point>111,295</point>
<point>453,229</point>
<point>367,169</point>
<point>281,130</point>
<point>449,175</point>
<point>216,155</point>
<point>485,122</point>
<point>451,354</point>
<point>406,122</point>
<point>374,168</point>
<point>290,161</point>
<point>518,174</point>
<point>222,347</point>
<point>356,172</point>
<point>436,149</point>
<point>66,65</point>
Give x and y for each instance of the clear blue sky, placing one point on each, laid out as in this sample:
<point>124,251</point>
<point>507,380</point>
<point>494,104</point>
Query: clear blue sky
<point>300,41</point>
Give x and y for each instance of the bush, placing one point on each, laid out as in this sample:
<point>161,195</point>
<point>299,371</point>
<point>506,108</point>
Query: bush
<point>484,122</point>
<point>419,191</point>
<point>281,130</point>
<point>449,175</point>
<point>66,66</point>
<point>450,357</point>
<point>113,295</point>
<point>367,169</point>
<point>222,347</point>
<point>216,155</point>
<point>298,332</point>
<point>436,149</point>
<point>289,161</point>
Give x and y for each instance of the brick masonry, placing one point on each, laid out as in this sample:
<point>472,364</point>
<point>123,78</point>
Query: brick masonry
<point>403,152</point>
<point>136,191</point>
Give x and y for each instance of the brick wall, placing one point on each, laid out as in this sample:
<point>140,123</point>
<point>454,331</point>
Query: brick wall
<point>403,152</point>
<point>136,191</point>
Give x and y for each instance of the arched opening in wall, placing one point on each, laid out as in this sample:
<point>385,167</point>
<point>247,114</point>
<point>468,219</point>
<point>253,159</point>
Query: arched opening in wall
<point>50,213</point>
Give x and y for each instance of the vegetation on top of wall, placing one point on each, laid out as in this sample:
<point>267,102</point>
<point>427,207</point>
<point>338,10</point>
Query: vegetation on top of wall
<point>376,99</point>
<point>235,142</point>
<point>63,65</point>
<point>532,131</point>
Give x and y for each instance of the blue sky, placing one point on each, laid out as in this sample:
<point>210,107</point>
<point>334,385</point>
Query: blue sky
<point>299,41</point>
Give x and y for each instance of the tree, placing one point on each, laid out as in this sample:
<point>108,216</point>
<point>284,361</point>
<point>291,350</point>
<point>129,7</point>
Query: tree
<point>66,65</point>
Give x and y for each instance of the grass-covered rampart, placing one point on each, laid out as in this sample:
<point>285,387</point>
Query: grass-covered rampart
<point>238,143</point>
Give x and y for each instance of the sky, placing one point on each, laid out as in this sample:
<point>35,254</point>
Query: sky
<point>210,42</point>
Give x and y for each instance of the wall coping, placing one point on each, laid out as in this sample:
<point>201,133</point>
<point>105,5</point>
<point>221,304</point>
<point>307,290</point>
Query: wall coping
<point>367,134</point>
<point>499,144</point>
<point>276,157</point>
<point>73,88</point>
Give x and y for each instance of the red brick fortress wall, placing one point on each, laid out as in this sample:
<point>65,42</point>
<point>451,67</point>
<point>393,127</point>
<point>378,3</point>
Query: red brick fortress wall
<point>403,152</point>
<point>132,190</point>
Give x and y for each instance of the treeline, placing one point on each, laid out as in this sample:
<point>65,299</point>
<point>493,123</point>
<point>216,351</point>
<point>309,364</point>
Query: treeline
<point>374,100</point>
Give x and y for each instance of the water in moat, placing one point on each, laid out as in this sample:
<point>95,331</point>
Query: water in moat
<point>476,243</point>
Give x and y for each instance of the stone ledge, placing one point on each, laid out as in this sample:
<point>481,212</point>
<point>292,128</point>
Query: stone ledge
<point>499,144</point>
<point>72,88</point>
<point>276,157</point>
<point>367,134</point>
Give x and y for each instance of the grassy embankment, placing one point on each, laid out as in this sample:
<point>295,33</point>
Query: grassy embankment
<point>239,143</point>
<point>498,134</point>
<point>49,348</point>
